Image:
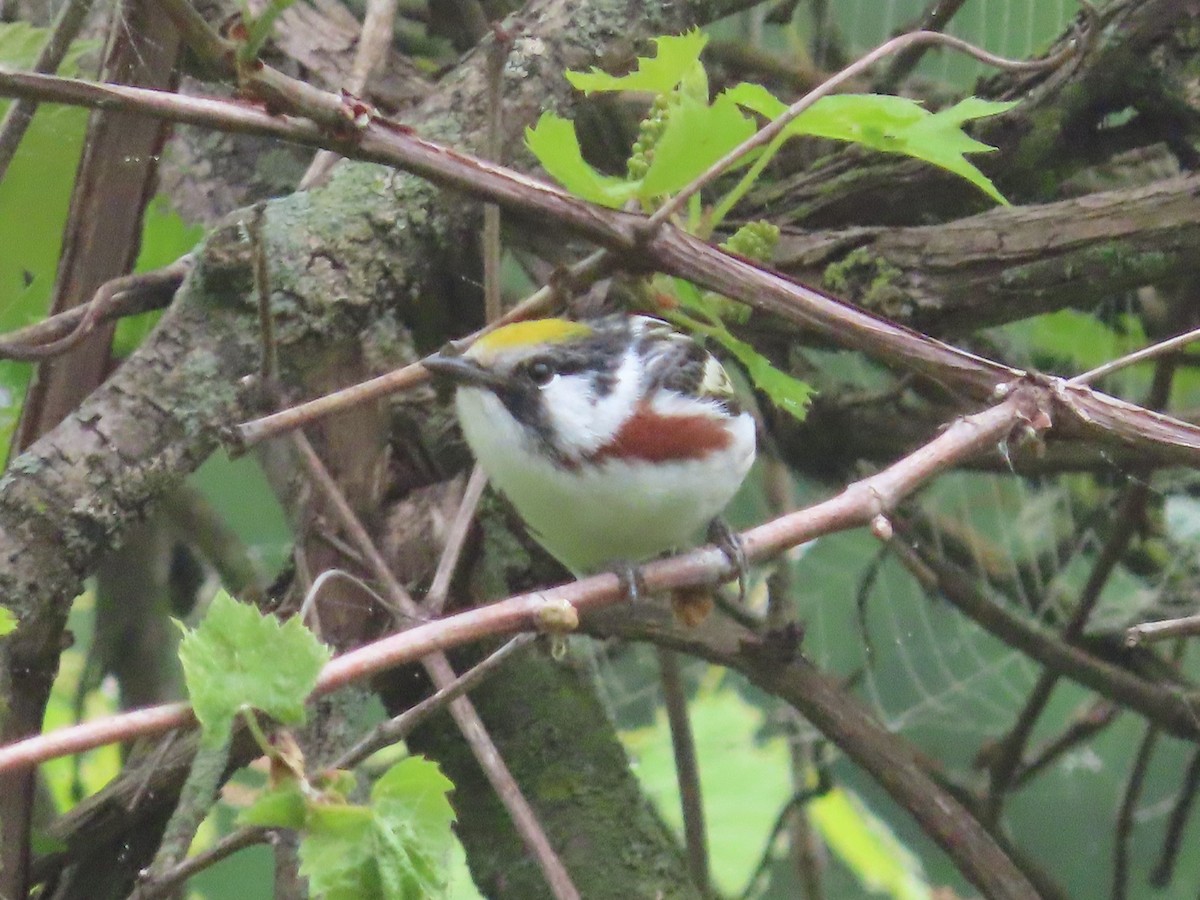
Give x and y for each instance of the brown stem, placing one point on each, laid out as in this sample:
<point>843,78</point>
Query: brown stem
<point>440,671</point>
<point>1129,802</point>
<point>127,295</point>
<point>456,539</point>
<point>1076,410</point>
<point>687,767</point>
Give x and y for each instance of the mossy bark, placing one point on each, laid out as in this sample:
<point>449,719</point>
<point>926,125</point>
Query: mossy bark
<point>561,747</point>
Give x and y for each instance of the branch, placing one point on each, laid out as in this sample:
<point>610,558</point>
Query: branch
<point>889,760</point>
<point>1170,707</point>
<point>1079,411</point>
<point>126,295</point>
<point>1011,262</point>
<point>385,734</point>
<point>861,503</point>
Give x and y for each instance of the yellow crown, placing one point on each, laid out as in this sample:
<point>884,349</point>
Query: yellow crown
<point>530,334</point>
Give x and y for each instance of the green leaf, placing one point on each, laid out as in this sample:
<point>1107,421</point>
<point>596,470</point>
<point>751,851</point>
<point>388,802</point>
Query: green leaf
<point>414,790</point>
<point>888,124</point>
<point>281,807</point>
<point>398,847</point>
<point>1070,341</point>
<point>554,142</point>
<point>337,853</point>
<point>939,139</point>
<point>790,394</point>
<point>676,62</point>
<point>20,44</point>
<point>696,136</point>
<point>258,29</point>
<point>8,622</point>
<point>238,658</point>
<point>867,846</point>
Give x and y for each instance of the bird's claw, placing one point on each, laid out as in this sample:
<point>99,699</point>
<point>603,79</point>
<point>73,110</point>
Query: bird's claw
<point>730,543</point>
<point>633,585</point>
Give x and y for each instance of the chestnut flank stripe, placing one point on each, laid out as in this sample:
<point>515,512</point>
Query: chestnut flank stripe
<point>653,437</point>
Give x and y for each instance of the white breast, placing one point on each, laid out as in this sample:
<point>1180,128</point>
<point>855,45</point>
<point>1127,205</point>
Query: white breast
<point>596,515</point>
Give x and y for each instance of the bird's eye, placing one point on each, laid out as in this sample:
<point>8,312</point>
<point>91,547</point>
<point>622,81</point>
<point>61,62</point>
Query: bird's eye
<point>540,372</point>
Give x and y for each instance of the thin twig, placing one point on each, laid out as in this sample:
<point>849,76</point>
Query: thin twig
<point>230,844</point>
<point>805,843</point>
<point>775,127</point>
<point>1077,411</point>
<point>195,800</point>
<point>272,87</point>
<point>1127,518</point>
<point>1137,356</point>
<point>379,24</point>
<point>1147,632</point>
<point>687,768</point>
<point>796,801</point>
<point>439,588</point>
<point>936,17</point>
<point>383,735</point>
<point>399,727</point>
<point>1129,801</point>
<point>442,673</point>
<point>66,26</point>
<point>269,365</point>
<point>1123,832</point>
<point>127,295</point>
<point>309,613</point>
<point>1175,710</point>
<point>1163,871</point>
<point>244,436</point>
<point>1097,717</point>
<point>497,55</point>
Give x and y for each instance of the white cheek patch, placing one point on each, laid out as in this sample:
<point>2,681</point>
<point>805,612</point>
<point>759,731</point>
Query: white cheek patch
<point>584,421</point>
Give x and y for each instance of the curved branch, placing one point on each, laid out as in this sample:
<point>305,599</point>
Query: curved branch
<point>778,669</point>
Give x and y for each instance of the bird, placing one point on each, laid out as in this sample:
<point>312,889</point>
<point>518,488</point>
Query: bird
<point>616,438</point>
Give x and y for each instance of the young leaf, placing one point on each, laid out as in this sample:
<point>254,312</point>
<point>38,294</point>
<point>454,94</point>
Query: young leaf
<point>676,62</point>
<point>338,853</point>
<point>696,136</point>
<point>888,124</point>
<point>8,622</point>
<point>554,142</point>
<point>414,791</point>
<point>790,394</point>
<point>237,658</point>
<point>939,139</point>
<point>281,807</point>
<point>395,848</point>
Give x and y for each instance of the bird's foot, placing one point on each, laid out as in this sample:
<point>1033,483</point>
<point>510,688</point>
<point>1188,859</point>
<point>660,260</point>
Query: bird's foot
<point>728,542</point>
<point>633,585</point>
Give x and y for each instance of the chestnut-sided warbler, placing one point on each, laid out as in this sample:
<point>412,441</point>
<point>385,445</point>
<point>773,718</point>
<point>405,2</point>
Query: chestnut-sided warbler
<point>616,439</point>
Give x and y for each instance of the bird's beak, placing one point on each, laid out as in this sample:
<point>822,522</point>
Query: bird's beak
<point>462,371</point>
